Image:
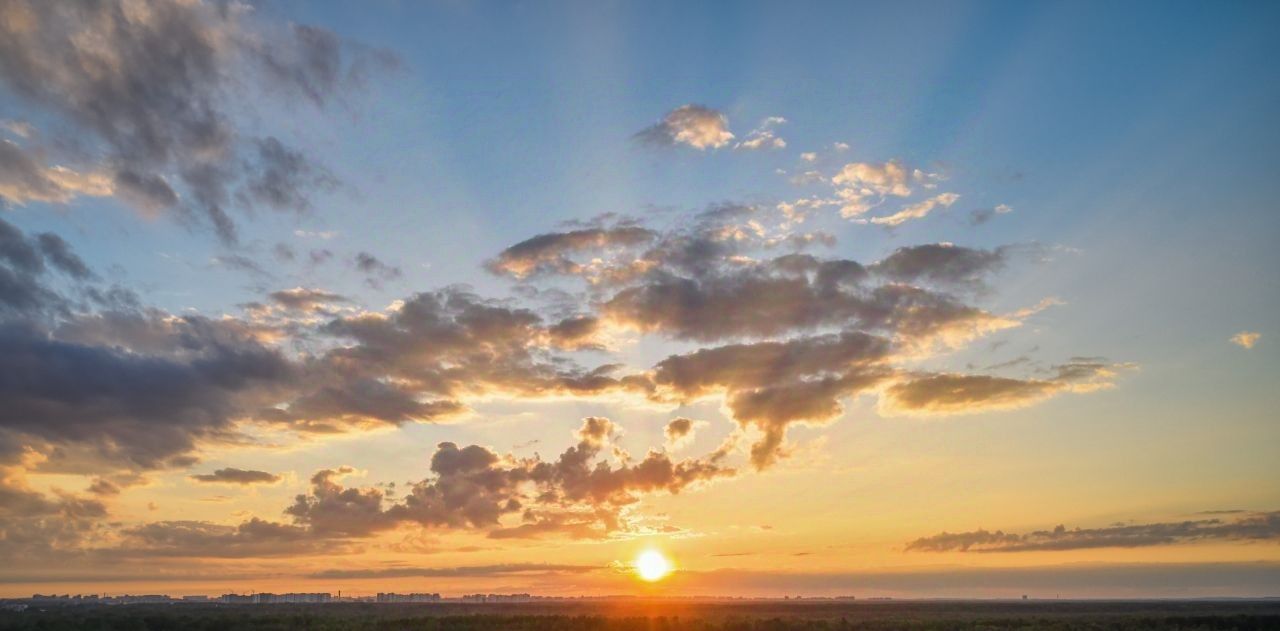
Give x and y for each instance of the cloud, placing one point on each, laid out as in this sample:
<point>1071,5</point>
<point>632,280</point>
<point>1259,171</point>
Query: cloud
<point>680,431</point>
<point>120,388</point>
<point>25,263</point>
<point>950,393</point>
<point>375,270</point>
<point>241,263</point>
<point>693,125</point>
<point>983,215</point>
<point>715,279</point>
<point>860,186</point>
<point>24,177</point>
<point>764,136</point>
<point>770,385</point>
<point>1246,339</point>
<point>101,385</point>
<point>942,263</point>
<point>153,84</point>
<point>307,299</point>
<point>503,569</point>
<point>1251,527</point>
<point>550,253</point>
<point>475,488</point>
<point>918,210</point>
<point>196,539</point>
<point>133,409</point>
<point>231,475</point>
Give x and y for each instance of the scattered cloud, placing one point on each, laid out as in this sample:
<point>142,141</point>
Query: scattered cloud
<point>918,210</point>
<point>231,475</point>
<point>764,136</point>
<point>174,146</point>
<point>949,393</point>
<point>980,216</point>
<point>693,125</point>
<point>1246,339</point>
<point>1250,527</point>
<point>680,432</point>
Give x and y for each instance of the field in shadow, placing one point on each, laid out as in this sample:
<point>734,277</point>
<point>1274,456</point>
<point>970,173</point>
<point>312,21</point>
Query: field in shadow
<point>659,616</point>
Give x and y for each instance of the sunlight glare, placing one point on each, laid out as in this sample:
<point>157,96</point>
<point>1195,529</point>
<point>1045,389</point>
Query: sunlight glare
<point>652,566</point>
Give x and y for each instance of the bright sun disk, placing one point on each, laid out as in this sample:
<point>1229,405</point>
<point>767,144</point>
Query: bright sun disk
<point>652,566</point>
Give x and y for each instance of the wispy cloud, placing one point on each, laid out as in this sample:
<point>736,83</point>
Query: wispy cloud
<point>1251,527</point>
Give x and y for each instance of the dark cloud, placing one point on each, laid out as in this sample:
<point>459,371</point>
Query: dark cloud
<point>979,216</point>
<point>770,385</point>
<point>950,393</point>
<point>715,278</point>
<point>575,333</point>
<point>284,252</point>
<point>242,263</point>
<point>419,361</point>
<point>124,388</point>
<point>283,178</point>
<point>680,432</point>
<point>58,253</point>
<point>253,538</point>
<point>127,408</point>
<point>549,253</point>
<point>942,263</point>
<point>155,93</point>
<point>232,475</point>
<point>475,488</point>
<point>25,284</point>
<point>375,270</point>
<point>1250,527</point>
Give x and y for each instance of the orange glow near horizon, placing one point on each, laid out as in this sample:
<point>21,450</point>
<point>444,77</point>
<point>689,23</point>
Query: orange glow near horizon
<point>651,566</point>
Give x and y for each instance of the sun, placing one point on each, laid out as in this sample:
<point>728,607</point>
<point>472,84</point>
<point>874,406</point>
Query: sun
<point>652,566</point>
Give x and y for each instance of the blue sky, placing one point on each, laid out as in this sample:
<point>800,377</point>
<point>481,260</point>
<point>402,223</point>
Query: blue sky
<point>1132,149</point>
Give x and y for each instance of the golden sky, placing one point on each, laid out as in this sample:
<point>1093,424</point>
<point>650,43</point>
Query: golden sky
<point>297,299</point>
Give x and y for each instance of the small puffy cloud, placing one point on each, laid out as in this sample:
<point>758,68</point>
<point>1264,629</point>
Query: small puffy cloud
<point>983,215</point>
<point>809,156</point>
<point>764,136</point>
<point>860,186</point>
<point>232,475</point>
<point>680,432</point>
<point>1246,339</point>
<point>375,270</point>
<point>918,210</point>
<point>693,125</point>
<point>1250,527</point>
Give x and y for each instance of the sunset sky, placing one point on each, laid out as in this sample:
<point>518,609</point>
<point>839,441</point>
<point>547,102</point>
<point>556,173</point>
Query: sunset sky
<point>899,299</point>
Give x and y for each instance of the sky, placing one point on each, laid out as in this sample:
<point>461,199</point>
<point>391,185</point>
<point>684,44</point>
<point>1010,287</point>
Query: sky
<point>909,299</point>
